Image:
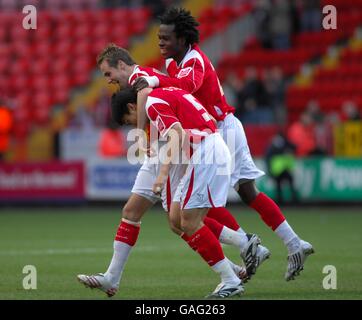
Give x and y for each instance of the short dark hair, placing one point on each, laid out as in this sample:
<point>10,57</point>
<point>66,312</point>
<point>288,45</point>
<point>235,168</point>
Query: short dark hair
<point>112,54</point>
<point>119,102</point>
<point>185,24</point>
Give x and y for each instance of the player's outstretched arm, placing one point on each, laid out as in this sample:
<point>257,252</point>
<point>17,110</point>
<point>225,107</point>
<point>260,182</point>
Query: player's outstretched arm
<point>189,78</point>
<point>161,179</point>
<point>142,119</point>
<point>169,155</point>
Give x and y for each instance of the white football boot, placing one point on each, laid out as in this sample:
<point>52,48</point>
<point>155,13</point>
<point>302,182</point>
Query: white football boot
<point>98,281</point>
<point>262,254</point>
<point>297,259</point>
<point>223,291</point>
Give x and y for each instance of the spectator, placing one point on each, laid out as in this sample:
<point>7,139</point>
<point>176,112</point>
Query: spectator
<point>280,24</point>
<point>112,142</point>
<point>231,86</point>
<point>280,162</point>
<point>253,100</point>
<point>275,88</point>
<point>301,134</point>
<point>6,124</point>
<point>261,16</point>
<point>322,130</point>
<point>350,111</point>
<point>311,19</point>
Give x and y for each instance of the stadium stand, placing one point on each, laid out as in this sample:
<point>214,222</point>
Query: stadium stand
<point>43,73</point>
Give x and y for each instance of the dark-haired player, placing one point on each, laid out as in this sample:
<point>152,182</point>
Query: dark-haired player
<point>119,68</point>
<point>190,69</point>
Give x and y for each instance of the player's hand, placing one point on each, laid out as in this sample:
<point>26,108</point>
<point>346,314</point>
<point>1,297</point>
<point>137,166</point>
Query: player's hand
<point>150,152</point>
<point>144,147</point>
<point>159,184</point>
<point>140,83</point>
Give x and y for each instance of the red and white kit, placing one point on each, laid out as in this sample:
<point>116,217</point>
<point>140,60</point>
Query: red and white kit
<point>206,181</point>
<point>149,170</point>
<point>196,74</point>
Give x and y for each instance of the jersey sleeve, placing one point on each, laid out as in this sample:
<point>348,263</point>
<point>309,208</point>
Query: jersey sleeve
<point>136,75</point>
<point>161,115</point>
<point>189,78</point>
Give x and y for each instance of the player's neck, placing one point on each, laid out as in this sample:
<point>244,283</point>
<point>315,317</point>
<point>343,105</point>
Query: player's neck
<point>181,55</point>
<point>130,69</point>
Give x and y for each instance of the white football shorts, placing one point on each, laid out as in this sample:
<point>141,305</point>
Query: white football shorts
<point>243,167</point>
<point>207,178</point>
<point>146,177</point>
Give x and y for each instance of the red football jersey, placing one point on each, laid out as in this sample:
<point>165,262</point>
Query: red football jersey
<point>143,71</point>
<point>167,106</point>
<point>139,72</point>
<point>196,75</point>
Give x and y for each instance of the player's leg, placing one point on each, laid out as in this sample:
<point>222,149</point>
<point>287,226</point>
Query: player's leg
<point>206,185</point>
<point>243,176</point>
<point>272,216</point>
<point>224,234</point>
<point>243,166</point>
<point>141,199</point>
<point>127,235</point>
<point>125,239</point>
<point>223,216</point>
<point>247,244</point>
<point>203,241</point>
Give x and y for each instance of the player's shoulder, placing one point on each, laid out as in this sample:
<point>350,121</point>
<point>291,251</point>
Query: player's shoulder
<point>166,91</point>
<point>195,54</point>
<point>157,93</point>
<point>156,97</point>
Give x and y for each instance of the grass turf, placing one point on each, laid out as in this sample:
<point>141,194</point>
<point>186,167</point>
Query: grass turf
<point>62,243</point>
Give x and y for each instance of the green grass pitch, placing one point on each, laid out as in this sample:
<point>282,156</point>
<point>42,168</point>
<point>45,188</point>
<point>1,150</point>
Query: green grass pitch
<point>64,242</point>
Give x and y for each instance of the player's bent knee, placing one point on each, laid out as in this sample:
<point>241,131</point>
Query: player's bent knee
<point>174,225</point>
<point>130,214</point>
<point>175,229</point>
<point>248,191</point>
<point>189,227</point>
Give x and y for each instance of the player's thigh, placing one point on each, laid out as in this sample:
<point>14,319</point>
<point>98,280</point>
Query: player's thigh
<point>144,182</point>
<point>136,207</point>
<point>243,166</point>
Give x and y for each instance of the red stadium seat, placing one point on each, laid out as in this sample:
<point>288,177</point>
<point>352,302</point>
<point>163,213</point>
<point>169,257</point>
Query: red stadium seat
<point>63,48</point>
<point>60,65</point>
<point>82,31</point>
<point>102,31</point>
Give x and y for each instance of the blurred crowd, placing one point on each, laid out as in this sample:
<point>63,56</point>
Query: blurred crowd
<point>312,134</point>
<point>157,7</point>
<point>258,98</point>
<point>277,20</point>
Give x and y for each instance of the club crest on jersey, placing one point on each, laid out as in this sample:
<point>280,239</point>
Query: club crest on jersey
<point>184,72</point>
<point>160,124</point>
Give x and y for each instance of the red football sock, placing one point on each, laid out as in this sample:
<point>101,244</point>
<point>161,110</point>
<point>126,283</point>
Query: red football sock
<point>206,245</point>
<point>127,233</point>
<point>214,226</point>
<point>268,210</point>
<point>223,216</point>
